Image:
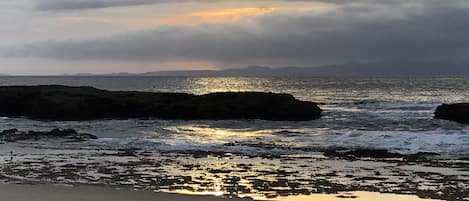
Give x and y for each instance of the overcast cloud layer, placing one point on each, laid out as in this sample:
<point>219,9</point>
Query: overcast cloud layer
<point>97,4</point>
<point>360,31</point>
<point>94,4</point>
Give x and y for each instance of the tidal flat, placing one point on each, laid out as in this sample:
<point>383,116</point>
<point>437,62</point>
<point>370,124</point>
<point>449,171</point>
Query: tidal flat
<point>228,175</point>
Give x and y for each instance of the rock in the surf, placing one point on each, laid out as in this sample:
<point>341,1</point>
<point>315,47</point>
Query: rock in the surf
<point>458,112</point>
<point>54,102</point>
<point>14,135</point>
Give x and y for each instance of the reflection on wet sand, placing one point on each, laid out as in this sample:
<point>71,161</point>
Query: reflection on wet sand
<point>293,177</point>
<point>356,196</point>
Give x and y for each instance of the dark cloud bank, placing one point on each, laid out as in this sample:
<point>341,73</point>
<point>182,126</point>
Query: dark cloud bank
<point>425,35</point>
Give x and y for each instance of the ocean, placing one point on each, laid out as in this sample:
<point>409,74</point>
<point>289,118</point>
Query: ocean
<point>391,113</point>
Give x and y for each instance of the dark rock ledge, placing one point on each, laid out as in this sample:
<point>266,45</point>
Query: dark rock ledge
<point>55,102</point>
<point>14,135</point>
<point>458,112</point>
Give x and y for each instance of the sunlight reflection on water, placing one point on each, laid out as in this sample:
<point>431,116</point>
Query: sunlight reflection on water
<point>356,110</point>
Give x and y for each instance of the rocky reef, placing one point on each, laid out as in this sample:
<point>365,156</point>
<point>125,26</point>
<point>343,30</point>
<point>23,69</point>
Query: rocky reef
<point>55,102</point>
<point>14,135</point>
<point>458,112</point>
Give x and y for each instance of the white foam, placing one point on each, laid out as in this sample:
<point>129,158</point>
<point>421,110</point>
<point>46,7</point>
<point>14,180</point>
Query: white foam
<point>455,143</point>
<point>438,141</point>
<point>179,145</point>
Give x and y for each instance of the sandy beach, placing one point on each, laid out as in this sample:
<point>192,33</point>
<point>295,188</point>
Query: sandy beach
<point>12,192</point>
<point>47,192</point>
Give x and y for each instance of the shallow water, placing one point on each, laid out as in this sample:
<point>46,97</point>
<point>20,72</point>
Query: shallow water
<point>385,113</point>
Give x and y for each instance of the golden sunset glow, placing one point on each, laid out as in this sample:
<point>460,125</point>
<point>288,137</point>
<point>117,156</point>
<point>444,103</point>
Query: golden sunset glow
<point>159,35</point>
<point>213,15</point>
<point>230,14</point>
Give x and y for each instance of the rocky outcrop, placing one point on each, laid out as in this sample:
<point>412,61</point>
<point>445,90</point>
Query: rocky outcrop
<point>458,112</point>
<point>356,154</point>
<point>14,135</point>
<point>54,102</point>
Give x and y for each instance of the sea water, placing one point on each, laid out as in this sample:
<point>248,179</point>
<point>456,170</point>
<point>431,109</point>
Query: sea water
<point>392,113</point>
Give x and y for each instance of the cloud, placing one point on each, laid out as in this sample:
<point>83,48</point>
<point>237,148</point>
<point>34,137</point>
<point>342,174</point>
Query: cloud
<point>51,5</point>
<point>56,5</point>
<point>418,30</point>
<point>91,4</point>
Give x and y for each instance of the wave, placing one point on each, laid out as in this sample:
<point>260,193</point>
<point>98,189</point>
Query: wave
<point>185,146</point>
<point>453,143</point>
<point>387,105</point>
<point>403,142</point>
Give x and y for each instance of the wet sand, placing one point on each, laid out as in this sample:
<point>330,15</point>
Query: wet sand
<point>195,174</point>
<point>356,196</point>
<point>13,192</point>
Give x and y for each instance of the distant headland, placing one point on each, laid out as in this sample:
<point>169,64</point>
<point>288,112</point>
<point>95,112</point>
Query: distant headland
<point>387,68</point>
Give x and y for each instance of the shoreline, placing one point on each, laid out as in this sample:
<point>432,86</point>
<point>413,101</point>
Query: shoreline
<point>271,178</point>
<point>48,192</point>
<point>57,192</point>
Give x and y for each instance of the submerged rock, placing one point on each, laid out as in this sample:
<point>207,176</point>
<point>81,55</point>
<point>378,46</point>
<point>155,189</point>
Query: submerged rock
<point>14,135</point>
<point>55,102</point>
<point>458,112</point>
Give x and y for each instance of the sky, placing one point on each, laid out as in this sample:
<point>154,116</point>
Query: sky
<point>40,37</point>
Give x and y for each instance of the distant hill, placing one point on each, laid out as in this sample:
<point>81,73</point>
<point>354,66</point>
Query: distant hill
<point>397,68</point>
